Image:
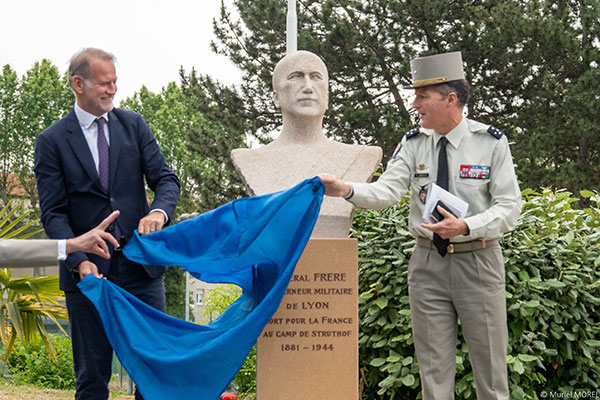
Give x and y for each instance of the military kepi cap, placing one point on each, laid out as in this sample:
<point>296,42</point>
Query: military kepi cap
<point>436,69</point>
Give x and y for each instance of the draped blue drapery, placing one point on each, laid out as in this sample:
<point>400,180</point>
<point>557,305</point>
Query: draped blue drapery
<point>253,242</point>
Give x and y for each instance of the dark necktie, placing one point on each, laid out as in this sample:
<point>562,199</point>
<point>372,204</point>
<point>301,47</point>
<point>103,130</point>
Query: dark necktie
<point>102,154</point>
<point>442,181</point>
<point>103,165</point>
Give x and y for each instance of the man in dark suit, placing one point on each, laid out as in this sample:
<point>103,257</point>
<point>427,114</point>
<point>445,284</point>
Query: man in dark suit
<point>89,163</point>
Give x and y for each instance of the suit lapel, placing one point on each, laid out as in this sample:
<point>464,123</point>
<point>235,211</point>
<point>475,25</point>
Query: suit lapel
<point>80,147</point>
<point>116,131</point>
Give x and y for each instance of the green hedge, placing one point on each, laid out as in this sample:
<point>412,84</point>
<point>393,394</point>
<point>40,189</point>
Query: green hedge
<point>553,290</point>
<point>32,365</point>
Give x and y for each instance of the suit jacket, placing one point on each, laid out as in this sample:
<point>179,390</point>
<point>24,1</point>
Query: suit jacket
<point>72,199</point>
<point>28,253</point>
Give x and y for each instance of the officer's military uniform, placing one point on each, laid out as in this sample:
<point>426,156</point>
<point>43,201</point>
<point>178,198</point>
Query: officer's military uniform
<point>468,283</point>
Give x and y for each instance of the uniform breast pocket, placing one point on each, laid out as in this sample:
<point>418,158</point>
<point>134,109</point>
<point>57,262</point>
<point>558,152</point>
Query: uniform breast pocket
<point>472,188</point>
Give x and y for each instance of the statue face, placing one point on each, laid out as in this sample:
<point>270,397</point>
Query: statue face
<point>301,85</point>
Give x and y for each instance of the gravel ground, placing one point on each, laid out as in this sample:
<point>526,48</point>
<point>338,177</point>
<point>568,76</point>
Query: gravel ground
<point>8,392</point>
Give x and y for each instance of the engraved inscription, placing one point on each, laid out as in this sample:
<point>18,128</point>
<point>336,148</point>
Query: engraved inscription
<point>311,342</point>
<point>316,292</point>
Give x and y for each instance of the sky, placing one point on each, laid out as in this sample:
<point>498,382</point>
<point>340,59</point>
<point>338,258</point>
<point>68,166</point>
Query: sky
<point>151,39</point>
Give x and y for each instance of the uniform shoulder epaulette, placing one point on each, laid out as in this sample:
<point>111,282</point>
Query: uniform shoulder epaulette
<point>408,135</point>
<point>412,133</point>
<point>495,132</point>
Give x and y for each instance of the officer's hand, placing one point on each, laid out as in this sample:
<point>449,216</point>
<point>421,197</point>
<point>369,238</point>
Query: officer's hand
<point>87,267</point>
<point>94,240</point>
<point>449,227</point>
<point>152,222</point>
<point>334,186</point>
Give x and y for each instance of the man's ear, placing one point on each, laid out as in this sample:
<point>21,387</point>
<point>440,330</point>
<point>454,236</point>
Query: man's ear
<point>276,99</point>
<point>452,98</point>
<point>78,83</point>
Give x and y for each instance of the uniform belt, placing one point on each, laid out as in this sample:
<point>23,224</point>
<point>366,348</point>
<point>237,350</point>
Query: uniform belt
<point>459,247</point>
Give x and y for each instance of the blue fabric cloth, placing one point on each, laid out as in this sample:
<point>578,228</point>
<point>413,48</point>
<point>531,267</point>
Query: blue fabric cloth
<point>253,242</point>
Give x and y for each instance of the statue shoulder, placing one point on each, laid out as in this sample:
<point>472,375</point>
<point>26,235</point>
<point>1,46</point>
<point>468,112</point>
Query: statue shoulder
<point>372,151</point>
<point>243,156</point>
<point>371,156</point>
<point>350,150</point>
<point>237,152</point>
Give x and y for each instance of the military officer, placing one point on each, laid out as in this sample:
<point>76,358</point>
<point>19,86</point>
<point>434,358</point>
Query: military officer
<point>456,271</point>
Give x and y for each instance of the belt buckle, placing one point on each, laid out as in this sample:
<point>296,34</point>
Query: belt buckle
<point>451,248</point>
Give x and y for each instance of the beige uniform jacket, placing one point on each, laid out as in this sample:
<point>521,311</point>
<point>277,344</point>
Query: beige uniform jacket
<point>481,172</point>
<point>23,253</point>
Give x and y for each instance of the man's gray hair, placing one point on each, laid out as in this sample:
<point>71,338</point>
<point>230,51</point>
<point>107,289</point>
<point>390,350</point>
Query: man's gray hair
<point>460,87</point>
<point>80,62</point>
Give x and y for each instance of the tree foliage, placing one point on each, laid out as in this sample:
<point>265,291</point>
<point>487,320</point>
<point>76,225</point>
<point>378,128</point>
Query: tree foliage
<point>222,132</point>
<point>28,106</point>
<point>169,119</point>
<point>552,264</point>
<point>44,97</point>
<point>533,66</point>
<point>8,135</point>
<point>218,299</point>
<point>175,291</point>
<point>196,147</point>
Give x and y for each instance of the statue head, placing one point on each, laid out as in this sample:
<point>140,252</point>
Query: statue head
<point>301,85</point>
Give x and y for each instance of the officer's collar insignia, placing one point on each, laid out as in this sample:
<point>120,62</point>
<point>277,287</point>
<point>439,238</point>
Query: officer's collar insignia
<point>422,167</point>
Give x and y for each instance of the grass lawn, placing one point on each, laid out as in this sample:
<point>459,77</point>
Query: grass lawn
<point>9,392</point>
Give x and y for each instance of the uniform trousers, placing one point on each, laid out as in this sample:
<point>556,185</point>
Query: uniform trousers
<point>92,352</point>
<point>467,286</point>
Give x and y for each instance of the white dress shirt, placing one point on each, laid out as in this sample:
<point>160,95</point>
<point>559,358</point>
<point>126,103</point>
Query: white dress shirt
<point>90,131</point>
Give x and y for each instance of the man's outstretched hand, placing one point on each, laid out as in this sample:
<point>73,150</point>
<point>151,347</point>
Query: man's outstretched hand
<point>94,241</point>
<point>334,186</point>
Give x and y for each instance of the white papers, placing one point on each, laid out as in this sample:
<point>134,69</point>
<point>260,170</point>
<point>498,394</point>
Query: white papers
<point>435,194</point>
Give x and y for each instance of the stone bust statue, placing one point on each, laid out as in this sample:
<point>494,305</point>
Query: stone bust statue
<point>300,90</point>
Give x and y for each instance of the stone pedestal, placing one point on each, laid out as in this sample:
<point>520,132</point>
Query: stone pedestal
<point>309,349</point>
